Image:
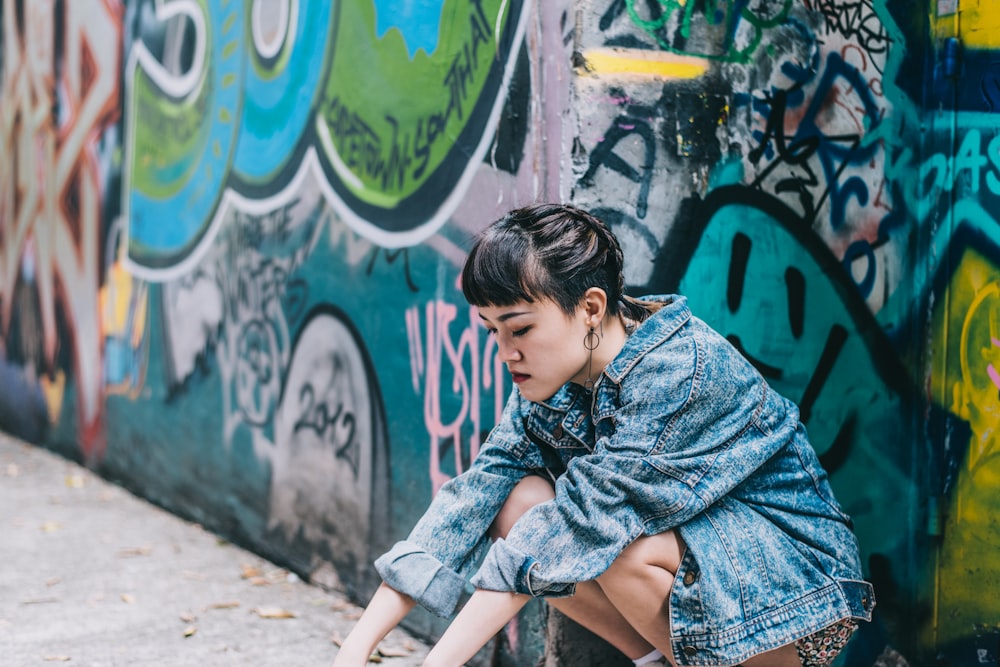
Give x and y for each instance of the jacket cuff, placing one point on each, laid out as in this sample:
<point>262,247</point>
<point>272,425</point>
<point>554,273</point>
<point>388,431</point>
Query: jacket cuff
<point>409,569</point>
<point>508,569</point>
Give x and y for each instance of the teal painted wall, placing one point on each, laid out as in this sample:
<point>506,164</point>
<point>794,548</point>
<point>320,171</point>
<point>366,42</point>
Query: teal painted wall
<point>231,232</point>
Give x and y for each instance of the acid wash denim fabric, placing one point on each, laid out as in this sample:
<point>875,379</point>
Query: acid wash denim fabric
<point>681,433</point>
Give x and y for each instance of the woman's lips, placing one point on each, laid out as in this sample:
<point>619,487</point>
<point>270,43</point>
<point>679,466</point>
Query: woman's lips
<point>518,377</point>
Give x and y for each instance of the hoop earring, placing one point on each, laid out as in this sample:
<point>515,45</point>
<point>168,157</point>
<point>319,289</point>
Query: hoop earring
<point>590,342</point>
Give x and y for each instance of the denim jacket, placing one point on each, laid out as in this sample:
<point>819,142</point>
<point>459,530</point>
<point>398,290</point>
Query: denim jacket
<point>680,432</point>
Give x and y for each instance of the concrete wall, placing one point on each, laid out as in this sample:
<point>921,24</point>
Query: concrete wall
<point>230,235</point>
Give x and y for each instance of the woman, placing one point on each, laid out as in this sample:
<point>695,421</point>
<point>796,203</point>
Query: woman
<point>644,479</point>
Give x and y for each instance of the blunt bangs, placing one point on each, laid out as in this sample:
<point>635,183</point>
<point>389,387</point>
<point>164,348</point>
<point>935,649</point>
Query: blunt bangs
<point>501,270</point>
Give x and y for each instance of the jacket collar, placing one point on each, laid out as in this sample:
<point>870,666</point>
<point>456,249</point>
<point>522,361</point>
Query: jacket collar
<point>660,326</point>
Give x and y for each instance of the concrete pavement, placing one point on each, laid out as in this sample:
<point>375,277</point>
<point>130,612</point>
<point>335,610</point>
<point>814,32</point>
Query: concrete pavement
<point>93,576</point>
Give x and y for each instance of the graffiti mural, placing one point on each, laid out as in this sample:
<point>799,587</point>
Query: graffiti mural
<point>231,234</point>
<point>394,160</point>
<point>330,442</point>
<point>434,358</point>
<point>60,93</point>
<point>778,177</point>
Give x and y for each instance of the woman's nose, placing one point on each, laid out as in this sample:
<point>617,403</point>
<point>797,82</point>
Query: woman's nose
<point>506,351</point>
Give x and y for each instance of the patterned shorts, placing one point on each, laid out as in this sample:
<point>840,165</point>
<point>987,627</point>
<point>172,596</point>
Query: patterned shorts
<point>820,648</point>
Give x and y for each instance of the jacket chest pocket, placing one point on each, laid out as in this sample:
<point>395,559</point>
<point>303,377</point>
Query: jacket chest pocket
<point>569,433</point>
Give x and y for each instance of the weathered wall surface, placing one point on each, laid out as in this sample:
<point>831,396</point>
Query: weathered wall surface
<point>230,235</point>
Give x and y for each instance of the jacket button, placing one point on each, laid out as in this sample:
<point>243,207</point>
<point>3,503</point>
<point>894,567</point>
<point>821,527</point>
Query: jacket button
<point>557,432</point>
<point>690,651</point>
<point>689,578</point>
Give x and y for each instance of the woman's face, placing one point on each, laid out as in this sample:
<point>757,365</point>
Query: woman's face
<point>541,345</point>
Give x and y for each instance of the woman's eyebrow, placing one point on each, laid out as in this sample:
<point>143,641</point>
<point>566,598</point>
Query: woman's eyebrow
<point>505,316</point>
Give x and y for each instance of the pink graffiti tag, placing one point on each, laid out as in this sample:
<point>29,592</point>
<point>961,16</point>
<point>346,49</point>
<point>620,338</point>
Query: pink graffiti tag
<point>990,370</point>
<point>474,370</point>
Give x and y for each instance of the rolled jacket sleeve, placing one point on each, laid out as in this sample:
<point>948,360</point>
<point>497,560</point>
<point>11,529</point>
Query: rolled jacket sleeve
<point>408,568</point>
<point>432,564</point>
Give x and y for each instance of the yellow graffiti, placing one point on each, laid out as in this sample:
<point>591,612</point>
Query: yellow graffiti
<point>54,391</point>
<point>976,23</point>
<point>966,381</point>
<point>645,64</point>
<point>123,303</point>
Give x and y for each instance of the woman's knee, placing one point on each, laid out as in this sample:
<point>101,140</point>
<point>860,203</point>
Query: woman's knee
<point>664,551</point>
<point>530,491</point>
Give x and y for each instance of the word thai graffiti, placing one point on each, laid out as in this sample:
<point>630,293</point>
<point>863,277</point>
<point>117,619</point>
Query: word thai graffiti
<point>248,117</point>
<point>361,147</point>
<point>453,410</point>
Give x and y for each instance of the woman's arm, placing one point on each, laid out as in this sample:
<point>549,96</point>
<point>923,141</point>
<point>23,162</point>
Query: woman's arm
<point>481,618</point>
<point>386,609</point>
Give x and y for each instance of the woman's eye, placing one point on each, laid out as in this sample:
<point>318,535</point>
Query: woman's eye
<point>521,332</point>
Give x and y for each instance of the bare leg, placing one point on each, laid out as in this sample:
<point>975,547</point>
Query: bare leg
<point>639,581</point>
<point>590,607</point>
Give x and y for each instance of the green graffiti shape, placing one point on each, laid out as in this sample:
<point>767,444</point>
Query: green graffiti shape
<point>397,132</point>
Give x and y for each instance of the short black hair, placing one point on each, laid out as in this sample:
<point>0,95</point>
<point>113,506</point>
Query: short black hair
<point>544,251</point>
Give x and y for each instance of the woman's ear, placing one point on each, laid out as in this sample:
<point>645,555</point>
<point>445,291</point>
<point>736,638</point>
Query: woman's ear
<point>595,304</point>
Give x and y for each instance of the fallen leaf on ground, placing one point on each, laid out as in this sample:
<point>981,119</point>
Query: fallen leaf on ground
<point>57,658</point>
<point>394,651</point>
<point>231,604</point>
<point>127,598</point>
<point>53,581</point>
<point>129,552</point>
<point>277,576</point>
<point>249,571</point>
<point>188,617</point>
<point>272,612</point>
<point>51,526</point>
<point>39,600</point>
<point>75,481</point>
<point>190,630</point>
